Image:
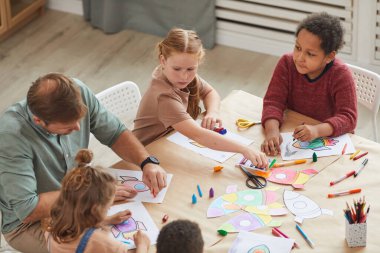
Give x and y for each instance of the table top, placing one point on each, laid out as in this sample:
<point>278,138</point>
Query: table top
<point>190,169</point>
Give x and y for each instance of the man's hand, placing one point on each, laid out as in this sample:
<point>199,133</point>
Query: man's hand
<point>154,177</point>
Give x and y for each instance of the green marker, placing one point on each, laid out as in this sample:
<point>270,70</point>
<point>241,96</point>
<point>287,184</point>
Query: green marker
<point>272,163</point>
<point>222,232</point>
<point>315,157</point>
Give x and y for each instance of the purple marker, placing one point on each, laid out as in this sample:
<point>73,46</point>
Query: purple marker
<point>211,193</point>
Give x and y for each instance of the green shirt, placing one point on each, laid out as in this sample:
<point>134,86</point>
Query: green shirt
<point>33,161</point>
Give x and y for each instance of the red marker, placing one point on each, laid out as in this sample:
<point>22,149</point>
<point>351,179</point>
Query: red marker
<point>165,218</point>
<point>344,149</point>
<point>359,156</point>
<point>349,174</point>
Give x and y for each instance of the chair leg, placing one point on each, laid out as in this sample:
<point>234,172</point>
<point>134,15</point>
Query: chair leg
<point>374,125</point>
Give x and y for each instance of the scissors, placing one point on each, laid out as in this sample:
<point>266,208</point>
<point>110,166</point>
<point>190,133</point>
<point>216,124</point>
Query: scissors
<point>253,181</point>
<point>244,123</point>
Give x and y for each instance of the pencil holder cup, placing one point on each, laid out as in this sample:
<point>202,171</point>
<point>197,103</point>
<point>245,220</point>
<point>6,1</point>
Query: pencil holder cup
<point>356,234</point>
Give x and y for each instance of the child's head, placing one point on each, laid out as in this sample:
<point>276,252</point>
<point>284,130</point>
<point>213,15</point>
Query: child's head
<point>180,236</point>
<point>180,54</point>
<point>318,39</point>
<point>85,197</point>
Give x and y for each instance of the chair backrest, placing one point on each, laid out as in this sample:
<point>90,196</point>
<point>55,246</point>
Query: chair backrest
<point>122,100</point>
<point>367,87</point>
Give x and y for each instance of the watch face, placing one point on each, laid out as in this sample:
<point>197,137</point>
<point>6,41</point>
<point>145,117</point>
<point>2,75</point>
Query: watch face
<point>154,159</point>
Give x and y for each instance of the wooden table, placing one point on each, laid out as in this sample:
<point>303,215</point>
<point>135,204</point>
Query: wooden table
<point>327,232</point>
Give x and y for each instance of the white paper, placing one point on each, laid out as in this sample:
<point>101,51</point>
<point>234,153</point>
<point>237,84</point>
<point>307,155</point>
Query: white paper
<point>140,220</point>
<point>133,178</point>
<point>219,156</point>
<point>249,242</point>
<point>293,150</point>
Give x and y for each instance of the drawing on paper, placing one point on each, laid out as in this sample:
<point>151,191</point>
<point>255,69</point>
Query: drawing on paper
<point>248,222</point>
<point>125,230</point>
<point>302,207</point>
<point>286,176</point>
<point>318,144</point>
<point>134,182</point>
<point>253,201</point>
<point>259,249</point>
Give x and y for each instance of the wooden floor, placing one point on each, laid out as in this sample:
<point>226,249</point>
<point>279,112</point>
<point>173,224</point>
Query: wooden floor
<point>62,42</point>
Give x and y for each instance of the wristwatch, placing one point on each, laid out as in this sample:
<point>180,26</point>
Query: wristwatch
<point>149,159</point>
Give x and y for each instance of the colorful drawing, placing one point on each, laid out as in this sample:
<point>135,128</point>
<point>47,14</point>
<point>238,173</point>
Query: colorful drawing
<point>141,220</point>
<point>293,150</point>
<point>134,182</point>
<point>127,228</point>
<point>286,176</point>
<point>248,222</point>
<point>302,207</point>
<point>259,249</point>
<point>254,201</point>
<point>316,144</point>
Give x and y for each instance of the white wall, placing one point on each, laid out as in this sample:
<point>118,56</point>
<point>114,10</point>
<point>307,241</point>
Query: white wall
<point>72,6</point>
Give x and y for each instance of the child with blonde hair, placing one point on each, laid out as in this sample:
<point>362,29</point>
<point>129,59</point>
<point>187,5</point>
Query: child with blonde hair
<point>173,97</point>
<point>313,82</point>
<point>79,216</point>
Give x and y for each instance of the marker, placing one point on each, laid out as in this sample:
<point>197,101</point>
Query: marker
<point>364,163</point>
<point>272,163</point>
<point>344,149</point>
<point>354,154</point>
<point>277,232</point>
<point>349,174</point>
<point>342,193</point>
<point>218,168</point>
<point>311,244</point>
<point>199,191</point>
<point>211,193</point>
<point>165,218</point>
<point>194,199</point>
<point>315,157</point>
<point>359,156</point>
<point>277,165</point>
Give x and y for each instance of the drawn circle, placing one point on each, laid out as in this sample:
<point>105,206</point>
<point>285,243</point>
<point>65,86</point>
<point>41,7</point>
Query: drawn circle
<point>140,186</point>
<point>280,176</point>
<point>300,204</point>
<point>245,223</point>
<point>249,197</point>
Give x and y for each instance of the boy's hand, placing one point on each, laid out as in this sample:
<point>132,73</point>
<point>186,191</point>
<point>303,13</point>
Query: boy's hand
<point>142,242</point>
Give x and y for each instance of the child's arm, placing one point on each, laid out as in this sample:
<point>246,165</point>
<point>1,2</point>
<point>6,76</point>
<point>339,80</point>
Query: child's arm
<point>142,242</point>
<point>273,139</point>
<point>212,104</point>
<point>311,132</point>
<point>216,141</point>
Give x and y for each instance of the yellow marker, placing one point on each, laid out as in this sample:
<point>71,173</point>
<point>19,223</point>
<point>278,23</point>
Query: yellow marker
<point>277,165</point>
<point>354,154</point>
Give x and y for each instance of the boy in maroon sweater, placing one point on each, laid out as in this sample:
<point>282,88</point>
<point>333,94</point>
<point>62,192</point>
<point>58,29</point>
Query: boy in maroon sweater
<point>313,82</point>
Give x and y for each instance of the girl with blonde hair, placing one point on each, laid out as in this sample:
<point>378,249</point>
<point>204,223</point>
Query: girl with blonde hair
<point>78,217</point>
<point>172,100</point>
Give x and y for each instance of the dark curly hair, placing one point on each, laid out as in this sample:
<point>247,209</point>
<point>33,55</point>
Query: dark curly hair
<point>327,27</point>
<point>180,236</point>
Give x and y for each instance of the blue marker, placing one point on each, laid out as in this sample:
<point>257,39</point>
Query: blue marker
<point>311,244</point>
<point>194,199</point>
<point>199,191</point>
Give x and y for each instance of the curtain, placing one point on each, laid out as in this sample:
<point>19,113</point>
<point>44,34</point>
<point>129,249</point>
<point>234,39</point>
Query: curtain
<point>153,16</point>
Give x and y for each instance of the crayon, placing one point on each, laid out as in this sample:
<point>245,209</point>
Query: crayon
<point>359,156</point>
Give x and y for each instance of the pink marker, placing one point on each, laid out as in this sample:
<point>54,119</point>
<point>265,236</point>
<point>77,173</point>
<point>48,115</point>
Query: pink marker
<point>349,174</point>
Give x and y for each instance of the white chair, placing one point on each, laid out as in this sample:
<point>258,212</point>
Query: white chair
<point>123,101</point>
<point>368,92</point>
